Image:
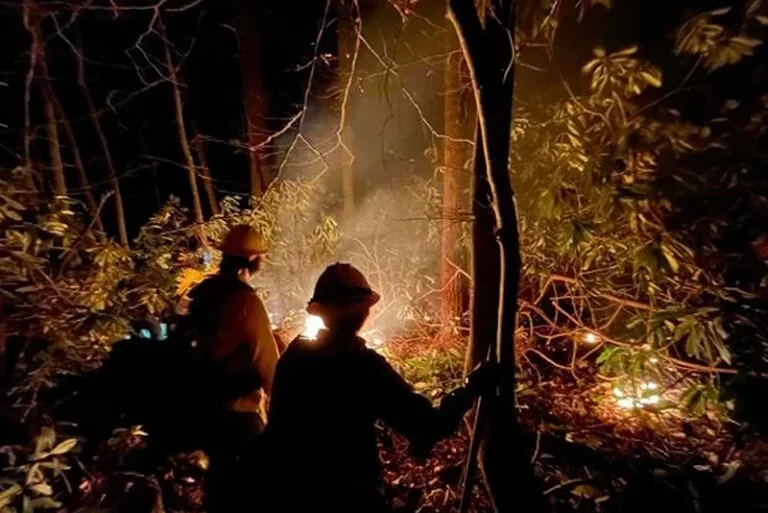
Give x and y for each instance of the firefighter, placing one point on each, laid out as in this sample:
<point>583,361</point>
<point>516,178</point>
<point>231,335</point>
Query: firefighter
<point>328,395</point>
<point>235,341</point>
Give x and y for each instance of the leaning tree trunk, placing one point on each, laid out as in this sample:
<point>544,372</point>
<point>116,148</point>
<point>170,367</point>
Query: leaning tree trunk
<point>249,28</point>
<point>184,142</point>
<point>490,57</point>
<point>82,176</point>
<point>106,153</point>
<point>205,173</point>
<point>453,162</point>
<point>348,47</point>
<point>54,148</point>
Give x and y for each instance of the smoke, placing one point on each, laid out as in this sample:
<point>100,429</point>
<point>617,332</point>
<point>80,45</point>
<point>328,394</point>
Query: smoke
<point>393,236</point>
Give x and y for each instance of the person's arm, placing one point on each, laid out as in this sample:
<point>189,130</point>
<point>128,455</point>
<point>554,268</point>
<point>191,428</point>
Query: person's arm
<point>258,334</point>
<point>409,413</point>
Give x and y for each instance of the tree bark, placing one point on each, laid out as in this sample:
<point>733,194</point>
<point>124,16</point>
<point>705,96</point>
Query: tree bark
<point>106,153</point>
<point>49,101</point>
<point>490,58</point>
<point>486,266</point>
<point>82,176</point>
<point>346,33</point>
<point>210,192</point>
<point>30,22</point>
<point>191,174</point>
<point>249,30</point>
<point>54,148</point>
<point>453,162</point>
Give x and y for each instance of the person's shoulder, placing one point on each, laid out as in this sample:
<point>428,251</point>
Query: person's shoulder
<point>297,350</point>
<point>371,358</point>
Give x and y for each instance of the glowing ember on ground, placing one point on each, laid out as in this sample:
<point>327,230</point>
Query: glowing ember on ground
<point>591,338</point>
<point>312,326</point>
<point>643,396</point>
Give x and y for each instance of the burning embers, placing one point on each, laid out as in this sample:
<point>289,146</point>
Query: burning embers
<point>644,395</point>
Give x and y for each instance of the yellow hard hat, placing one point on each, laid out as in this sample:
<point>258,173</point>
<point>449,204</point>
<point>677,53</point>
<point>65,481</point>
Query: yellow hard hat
<point>341,287</point>
<point>243,241</point>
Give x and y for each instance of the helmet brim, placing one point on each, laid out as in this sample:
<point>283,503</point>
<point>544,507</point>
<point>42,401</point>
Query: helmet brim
<point>227,249</point>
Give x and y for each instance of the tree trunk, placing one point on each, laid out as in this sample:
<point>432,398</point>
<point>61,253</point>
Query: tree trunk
<point>490,58</point>
<point>210,192</point>
<point>30,23</point>
<point>346,33</point>
<point>82,176</point>
<point>248,24</point>
<point>113,178</point>
<point>191,174</point>
<point>54,148</point>
<point>484,299</point>
<point>453,162</point>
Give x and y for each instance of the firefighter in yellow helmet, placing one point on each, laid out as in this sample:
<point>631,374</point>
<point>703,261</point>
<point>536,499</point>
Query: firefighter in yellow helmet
<point>235,340</point>
<point>328,395</point>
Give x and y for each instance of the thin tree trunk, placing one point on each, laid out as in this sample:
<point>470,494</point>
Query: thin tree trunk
<point>490,58</point>
<point>30,22</point>
<point>106,153</point>
<point>346,34</point>
<point>82,176</point>
<point>453,162</point>
<point>249,31</point>
<point>210,192</point>
<point>183,139</point>
<point>54,148</point>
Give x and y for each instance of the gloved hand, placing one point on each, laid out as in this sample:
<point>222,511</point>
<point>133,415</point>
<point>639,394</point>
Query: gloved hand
<point>483,379</point>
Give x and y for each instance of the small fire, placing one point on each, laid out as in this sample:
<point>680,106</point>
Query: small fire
<point>591,338</point>
<point>644,395</point>
<point>312,326</point>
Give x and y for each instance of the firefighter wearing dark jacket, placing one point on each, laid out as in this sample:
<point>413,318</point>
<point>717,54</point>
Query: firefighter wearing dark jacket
<point>328,395</point>
<point>234,337</point>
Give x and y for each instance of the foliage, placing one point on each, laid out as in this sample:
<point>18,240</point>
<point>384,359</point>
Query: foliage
<point>614,234</point>
<point>33,476</point>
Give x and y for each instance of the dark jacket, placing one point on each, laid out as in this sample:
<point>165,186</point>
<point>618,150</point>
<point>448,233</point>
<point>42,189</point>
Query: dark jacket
<point>327,397</point>
<point>233,329</point>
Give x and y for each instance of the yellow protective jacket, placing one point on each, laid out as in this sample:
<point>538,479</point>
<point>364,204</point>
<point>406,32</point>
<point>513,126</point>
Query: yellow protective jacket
<point>234,331</point>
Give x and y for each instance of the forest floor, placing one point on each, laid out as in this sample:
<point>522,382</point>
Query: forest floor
<point>589,456</point>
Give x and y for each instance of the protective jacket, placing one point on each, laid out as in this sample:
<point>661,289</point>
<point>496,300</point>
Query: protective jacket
<point>233,331</point>
<point>328,396</point>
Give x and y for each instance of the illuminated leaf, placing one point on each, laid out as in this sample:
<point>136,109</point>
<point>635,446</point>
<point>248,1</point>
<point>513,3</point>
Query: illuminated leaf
<point>46,503</point>
<point>586,491</point>
<point>7,495</point>
<point>652,79</point>
<point>64,447</point>
<point>42,488</point>
<point>671,261</point>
